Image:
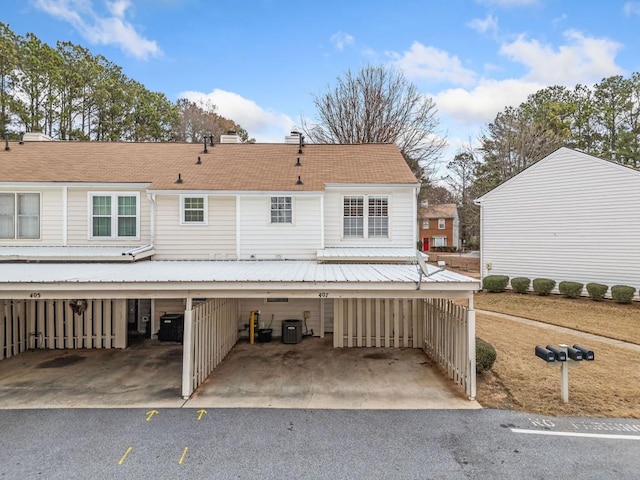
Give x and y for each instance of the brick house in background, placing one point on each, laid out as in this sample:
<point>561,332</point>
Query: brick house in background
<point>439,226</point>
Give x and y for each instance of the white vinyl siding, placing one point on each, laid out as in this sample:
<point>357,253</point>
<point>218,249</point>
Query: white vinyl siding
<point>401,220</point>
<point>260,239</point>
<point>211,240</point>
<point>569,217</point>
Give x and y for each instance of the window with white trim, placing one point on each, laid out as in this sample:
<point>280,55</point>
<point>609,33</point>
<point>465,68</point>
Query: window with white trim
<point>441,223</point>
<point>281,210</point>
<point>425,223</point>
<point>439,242</point>
<point>378,217</point>
<point>114,215</point>
<point>19,215</point>
<point>353,222</point>
<point>194,209</point>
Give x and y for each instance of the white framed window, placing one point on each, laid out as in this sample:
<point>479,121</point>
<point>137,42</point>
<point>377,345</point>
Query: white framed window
<point>114,215</point>
<point>281,210</point>
<point>193,209</point>
<point>353,221</point>
<point>378,221</point>
<point>19,215</point>
<point>441,223</point>
<point>425,223</point>
<point>439,242</point>
<point>374,224</point>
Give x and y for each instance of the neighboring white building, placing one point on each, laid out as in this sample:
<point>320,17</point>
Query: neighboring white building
<point>570,216</point>
<point>98,238</point>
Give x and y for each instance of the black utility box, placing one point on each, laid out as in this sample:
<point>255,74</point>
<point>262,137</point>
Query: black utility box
<point>171,327</point>
<point>291,331</point>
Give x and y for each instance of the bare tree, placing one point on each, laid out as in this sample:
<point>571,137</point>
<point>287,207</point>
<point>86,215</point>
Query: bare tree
<point>378,105</point>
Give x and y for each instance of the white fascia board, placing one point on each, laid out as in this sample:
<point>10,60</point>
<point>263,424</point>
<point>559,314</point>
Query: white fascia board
<point>238,193</point>
<point>369,186</point>
<point>76,184</point>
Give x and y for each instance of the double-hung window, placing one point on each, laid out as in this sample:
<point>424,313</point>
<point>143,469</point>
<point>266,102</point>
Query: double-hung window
<point>194,209</point>
<point>378,217</point>
<point>441,224</point>
<point>353,224</point>
<point>365,216</point>
<point>281,210</point>
<point>114,215</point>
<point>19,215</point>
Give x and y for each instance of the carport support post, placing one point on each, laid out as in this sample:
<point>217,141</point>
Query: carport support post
<point>471,332</point>
<point>187,351</point>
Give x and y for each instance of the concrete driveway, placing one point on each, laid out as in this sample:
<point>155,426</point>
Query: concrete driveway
<point>311,374</point>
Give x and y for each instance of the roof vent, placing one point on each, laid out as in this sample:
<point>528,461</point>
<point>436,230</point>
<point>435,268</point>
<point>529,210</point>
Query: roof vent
<point>298,164</point>
<point>6,141</point>
<point>205,145</point>
<point>179,180</point>
<point>199,161</point>
<point>299,182</point>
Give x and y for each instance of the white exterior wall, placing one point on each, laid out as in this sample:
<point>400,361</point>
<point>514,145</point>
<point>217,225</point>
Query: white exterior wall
<point>261,239</point>
<point>569,217</point>
<point>213,241</point>
<point>402,221</point>
<point>78,219</point>
<point>50,216</point>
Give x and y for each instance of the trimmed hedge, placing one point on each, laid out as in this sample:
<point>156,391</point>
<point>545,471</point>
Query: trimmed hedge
<point>597,291</point>
<point>485,355</point>
<point>622,293</point>
<point>520,284</point>
<point>543,286</point>
<point>495,283</point>
<point>570,289</point>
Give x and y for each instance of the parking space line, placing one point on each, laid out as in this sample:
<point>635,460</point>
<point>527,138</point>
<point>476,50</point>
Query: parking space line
<point>125,455</point>
<point>577,434</point>
<point>184,453</point>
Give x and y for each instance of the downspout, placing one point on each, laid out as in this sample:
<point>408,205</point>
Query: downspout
<point>416,227</point>
<point>471,347</point>
<point>152,219</point>
<point>238,198</point>
<point>322,223</point>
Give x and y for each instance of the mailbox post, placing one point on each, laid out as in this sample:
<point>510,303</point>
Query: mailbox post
<point>565,355</point>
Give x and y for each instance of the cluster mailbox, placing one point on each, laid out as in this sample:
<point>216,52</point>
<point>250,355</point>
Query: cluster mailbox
<point>551,354</point>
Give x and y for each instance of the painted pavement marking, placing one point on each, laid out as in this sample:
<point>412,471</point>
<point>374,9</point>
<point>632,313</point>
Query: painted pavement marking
<point>184,453</point>
<point>577,434</point>
<point>125,455</point>
<point>151,413</point>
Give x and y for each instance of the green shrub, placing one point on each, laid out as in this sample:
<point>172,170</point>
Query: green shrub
<point>485,355</point>
<point>543,286</point>
<point>570,289</point>
<point>495,283</point>
<point>597,291</point>
<point>520,284</point>
<point>622,293</point>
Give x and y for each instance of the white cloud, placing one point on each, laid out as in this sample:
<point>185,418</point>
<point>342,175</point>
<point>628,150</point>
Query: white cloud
<point>341,40</point>
<point>631,8</point>
<point>429,63</point>
<point>110,29</point>
<point>582,60</point>
<point>263,125</point>
<point>488,24</point>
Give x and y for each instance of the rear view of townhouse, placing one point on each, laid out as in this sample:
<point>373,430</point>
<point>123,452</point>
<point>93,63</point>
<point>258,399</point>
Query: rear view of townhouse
<point>102,240</point>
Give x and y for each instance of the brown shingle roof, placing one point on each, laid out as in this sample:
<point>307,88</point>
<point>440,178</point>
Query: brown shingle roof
<point>264,166</point>
<point>444,210</point>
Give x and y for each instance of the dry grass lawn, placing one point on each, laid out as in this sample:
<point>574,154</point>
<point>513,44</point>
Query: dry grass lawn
<point>607,387</point>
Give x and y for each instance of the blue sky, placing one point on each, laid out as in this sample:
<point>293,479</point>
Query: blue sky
<point>261,61</point>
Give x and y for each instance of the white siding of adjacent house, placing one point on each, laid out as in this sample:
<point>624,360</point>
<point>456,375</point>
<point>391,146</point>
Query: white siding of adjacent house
<point>50,216</point>
<point>78,219</point>
<point>261,239</point>
<point>402,224</point>
<point>214,240</point>
<point>569,217</point>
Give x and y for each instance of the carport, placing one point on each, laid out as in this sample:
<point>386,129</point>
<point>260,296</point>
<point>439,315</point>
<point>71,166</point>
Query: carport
<point>374,305</point>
